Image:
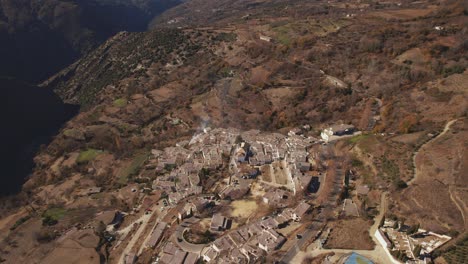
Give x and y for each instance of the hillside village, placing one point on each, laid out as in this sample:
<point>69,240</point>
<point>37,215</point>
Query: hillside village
<point>334,132</point>
<point>273,195</point>
<point>255,162</point>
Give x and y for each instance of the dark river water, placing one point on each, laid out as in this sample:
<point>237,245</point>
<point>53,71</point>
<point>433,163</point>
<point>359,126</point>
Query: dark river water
<point>30,116</point>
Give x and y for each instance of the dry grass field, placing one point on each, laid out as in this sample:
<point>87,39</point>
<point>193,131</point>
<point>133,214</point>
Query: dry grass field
<point>442,166</point>
<point>352,234</point>
<point>243,208</point>
<point>403,14</point>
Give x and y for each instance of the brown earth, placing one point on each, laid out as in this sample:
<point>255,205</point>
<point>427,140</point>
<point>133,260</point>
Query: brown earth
<point>350,234</point>
<point>134,86</point>
<point>442,171</point>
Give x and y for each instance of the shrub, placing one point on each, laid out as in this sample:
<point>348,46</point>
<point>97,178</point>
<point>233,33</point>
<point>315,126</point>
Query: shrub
<point>49,221</point>
<point>20,222</point>
<point>88,155</point>
<point>44,236</point>
<point>52,216</point>
<point>120,103</point>
<point>133,169</point>
<point>400,184</point>
<point>356,162</point>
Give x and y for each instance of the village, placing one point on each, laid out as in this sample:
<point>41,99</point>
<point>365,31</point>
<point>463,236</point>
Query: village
<point>227,196</point>
<point>233,196</point>
<point>245,132</point>
<point>276,166</point>
<point>263,173</point>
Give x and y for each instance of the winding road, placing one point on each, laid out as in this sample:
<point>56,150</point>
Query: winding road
<point>416,171</point>
<point>179,239</point>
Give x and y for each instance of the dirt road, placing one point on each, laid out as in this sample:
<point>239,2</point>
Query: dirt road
<point>416,171</point>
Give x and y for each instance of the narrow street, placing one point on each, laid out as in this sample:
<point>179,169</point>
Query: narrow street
<point>142,222</point>
<point>160,216</point>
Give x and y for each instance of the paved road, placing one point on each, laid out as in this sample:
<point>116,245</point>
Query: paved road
<point>161,215</point>
<point>308,235</point>
<point>144,219</point>
<point>179,239</point>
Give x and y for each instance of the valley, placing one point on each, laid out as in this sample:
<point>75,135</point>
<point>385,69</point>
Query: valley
<point>257,132</point>
<point>31,117</point>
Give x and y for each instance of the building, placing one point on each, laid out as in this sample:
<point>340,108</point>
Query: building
<point>191,258</point>
<point>278,197</point>
<point>186,211</point>
<point>237,256</point>
<point>241,155</point>
<point>337,130</point>
<point>270,240</point>
<point>179,257</point>
<point>253,253</point>
<point>269,223</point>
<point>237,238</point>
<point>265,38</point>
<point>223,244</point>
<point>168,253</point>
<point>219,223</point>
<point>382,238</point>
<point>210,254</point>
<point>304,166</point>
<point>156,235</point>
<point>300,211</point>
<point>130,258</point>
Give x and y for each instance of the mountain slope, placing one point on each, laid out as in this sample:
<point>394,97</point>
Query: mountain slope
<point>388,69</point>
<point>41,37</point>
<point>31,117</point>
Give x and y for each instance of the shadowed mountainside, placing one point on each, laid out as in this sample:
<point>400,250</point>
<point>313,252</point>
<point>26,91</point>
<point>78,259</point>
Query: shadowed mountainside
<point>41,37</point>
<point>32,116</point>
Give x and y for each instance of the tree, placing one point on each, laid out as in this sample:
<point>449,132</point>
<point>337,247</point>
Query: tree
<point>49,221</point>
<point>413,229</point>
<point>382,222</point>
<point>44,236</point>
<point>417,250</point>
<point>408,123</point>
<point>402,223</point>
<point>100,228</point>
<point>400,184</point>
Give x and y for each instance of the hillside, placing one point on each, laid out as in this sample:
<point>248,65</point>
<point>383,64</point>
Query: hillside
<point>29,121</point>
<point>267,83</point>
<point>41,37</point>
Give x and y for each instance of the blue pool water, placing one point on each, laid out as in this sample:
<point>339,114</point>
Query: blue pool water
<point>358,259</point>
